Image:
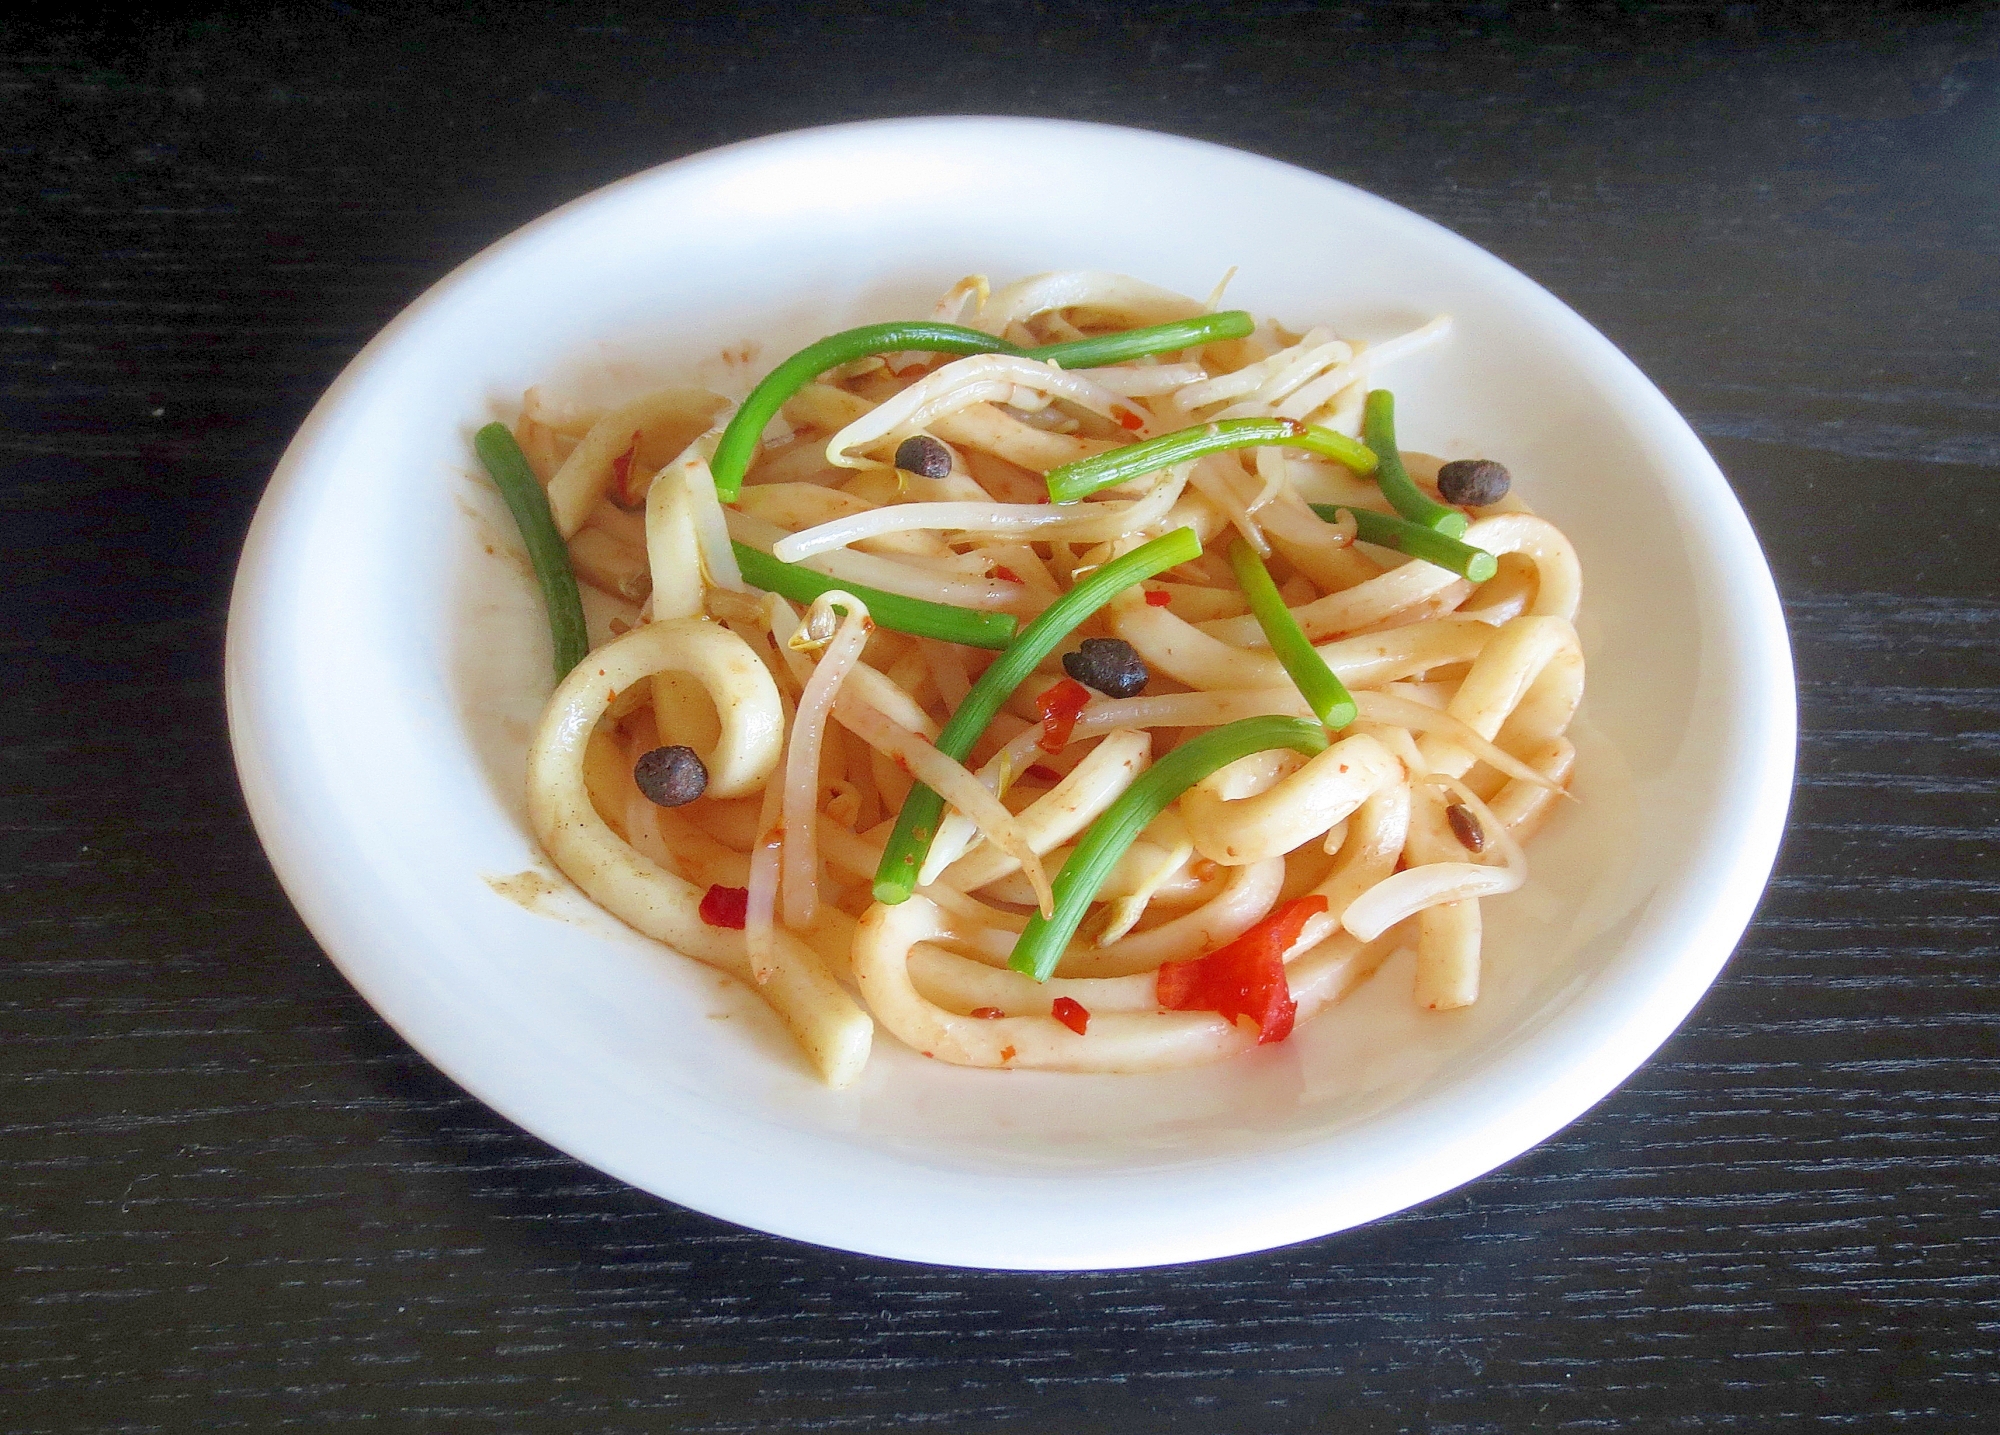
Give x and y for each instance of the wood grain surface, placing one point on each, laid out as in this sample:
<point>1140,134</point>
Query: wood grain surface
<point>231,1198</point>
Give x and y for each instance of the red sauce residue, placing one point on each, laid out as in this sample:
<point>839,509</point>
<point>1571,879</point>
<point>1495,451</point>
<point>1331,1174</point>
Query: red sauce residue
<point>1043,774</point>
<point>987,1013</point>
<point>621,476</point>
<point>1129,420</point>
<point>1071,1014</point>
<point>725,906</point>
<point>1059,707</point>
<point>1006,575</point>
<point>1156,599</point>
<point>1246,977</point>
<point>1006,1053</point>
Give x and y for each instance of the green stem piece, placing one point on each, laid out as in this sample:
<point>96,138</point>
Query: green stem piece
<point>529,503</point>
<point>1041,945</point>
<point>1139,343</point>
<point>739,441</point>
<point>1378,427</point>
<point>1324,692</point>
<point>1072,481</point>
<point>1417,541</point>
<point>889,610</point>
<point>910,842</point>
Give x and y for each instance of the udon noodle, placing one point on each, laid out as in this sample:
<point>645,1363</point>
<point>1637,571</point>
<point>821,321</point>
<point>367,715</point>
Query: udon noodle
<point>725,768</point>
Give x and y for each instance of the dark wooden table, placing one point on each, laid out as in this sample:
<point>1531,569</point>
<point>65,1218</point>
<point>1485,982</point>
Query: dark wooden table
<point>233,1198</point>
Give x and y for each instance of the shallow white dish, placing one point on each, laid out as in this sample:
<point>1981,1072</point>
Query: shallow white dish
<point>386,659</point>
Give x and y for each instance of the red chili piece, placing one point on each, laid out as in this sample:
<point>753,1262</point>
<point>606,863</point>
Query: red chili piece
<point>1059,708</point>
<point>1246,977</point>
<point>1129,420</point>
<point>1156,599</point>
<point>987,1013</point>
<point>1070,1013</point>
<point>1006,575</point>
<point>621,475</point>
<point>725,906</point>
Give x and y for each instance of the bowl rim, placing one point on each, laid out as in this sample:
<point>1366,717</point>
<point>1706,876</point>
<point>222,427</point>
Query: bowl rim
<point>1483,1131</point>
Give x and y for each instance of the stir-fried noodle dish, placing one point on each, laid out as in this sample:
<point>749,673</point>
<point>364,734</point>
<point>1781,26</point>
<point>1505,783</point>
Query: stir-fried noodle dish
<point>1079,678</point>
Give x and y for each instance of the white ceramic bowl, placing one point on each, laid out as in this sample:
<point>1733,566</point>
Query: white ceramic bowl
<point>386,659</point>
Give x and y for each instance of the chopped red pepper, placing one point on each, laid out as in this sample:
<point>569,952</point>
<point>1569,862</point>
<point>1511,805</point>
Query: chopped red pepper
<point>1005,575</point>
<point>1156,599</point>
<point>987,1013</point>
<point>1129,420</point>
<point>1246,977</point>
<point>621,477</point>
<point>725,906</point>
<point>1059,708</point>
<point>1070,1013</point>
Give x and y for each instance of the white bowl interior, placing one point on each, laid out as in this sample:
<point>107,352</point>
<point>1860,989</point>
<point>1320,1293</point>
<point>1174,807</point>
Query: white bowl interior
<point>388,657</point>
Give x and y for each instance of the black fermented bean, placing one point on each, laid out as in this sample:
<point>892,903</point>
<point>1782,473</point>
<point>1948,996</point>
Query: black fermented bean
<point>1465,827</point>
<point>1474,482</point>
<point>924,456</point>
<point>671,776</point>
<point>1110,665</point>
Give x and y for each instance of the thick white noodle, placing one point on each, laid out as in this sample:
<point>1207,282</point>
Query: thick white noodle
<point>1244,901</point>
<point>833,1030</point>
<point>673,547</point>
<point>1255,809</point>
<point>690,475</point>
<point>1054,817</point>
<point>760,908</point>
<point>740,688</point>
<point>964,985</point>
<point>575,488</point>
<point>1171,645</point>
<point>1116,1039</point>
<point>1524,686</point>
<point>1140,381</point>
<point>1373,843</point>
<point>1558,584</point>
